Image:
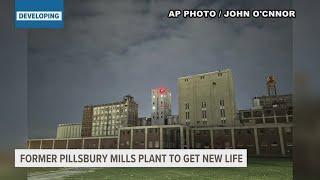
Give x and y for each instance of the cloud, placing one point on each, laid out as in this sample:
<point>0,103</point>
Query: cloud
<point>112,48</point>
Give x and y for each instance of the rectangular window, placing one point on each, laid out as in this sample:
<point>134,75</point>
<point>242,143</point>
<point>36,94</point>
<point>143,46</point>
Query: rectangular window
<point>221,102</point>
<point>204,114</point>
<point>222,113</point>
<point>187,115</point>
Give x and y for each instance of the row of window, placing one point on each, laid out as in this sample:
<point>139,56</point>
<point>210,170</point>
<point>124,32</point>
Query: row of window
<point>105,127</point>
<point>202,77</point>
<point>150,130</point>
<point>109,111</point>
<point>106,122</point>
<point>157,117</point>
<point>266,113</point>
<point>217,132</point>
<point>103,133</point>
<point>223,121</point>
<point>109,117</point>
<point>162,103</point>
<point>204,114</point>
<point>204,104</point>
<point>151,144</point>
<point>110,107</point>
<point>162,95</point>
<point>187,115</point>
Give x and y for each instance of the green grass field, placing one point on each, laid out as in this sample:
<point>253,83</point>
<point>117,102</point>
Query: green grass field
<point>264,168</point>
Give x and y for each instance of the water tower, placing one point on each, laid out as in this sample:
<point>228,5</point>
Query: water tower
<point>271,86</point>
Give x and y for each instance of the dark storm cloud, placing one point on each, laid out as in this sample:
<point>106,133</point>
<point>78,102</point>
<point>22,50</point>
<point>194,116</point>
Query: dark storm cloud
<point>112,48</point>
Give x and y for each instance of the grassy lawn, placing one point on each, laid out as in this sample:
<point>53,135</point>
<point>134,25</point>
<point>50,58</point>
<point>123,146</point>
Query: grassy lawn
<point>263,168</point>
<point>42,170</point>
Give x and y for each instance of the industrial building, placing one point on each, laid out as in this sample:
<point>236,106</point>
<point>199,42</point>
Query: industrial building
<point>173,119</point>
<point>72,130</point>
<point>266,115</point>
<point>107,142</point>
<point>147,121</point>
<point>259,140</point>
<point>207,120</point>
<point>143,121</point>
<point>270,108</point>
<point>161,106</point>
<point>106,119</point>
<point>264,130</point>
<point>207,99</point>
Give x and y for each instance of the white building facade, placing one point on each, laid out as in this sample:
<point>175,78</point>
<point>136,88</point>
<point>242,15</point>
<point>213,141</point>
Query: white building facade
<point>161,106</point>
<point>108,118</point>
<point>72,130</point>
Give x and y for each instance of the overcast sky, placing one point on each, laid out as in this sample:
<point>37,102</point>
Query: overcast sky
<point>13,79</point>
<point>110,48</point>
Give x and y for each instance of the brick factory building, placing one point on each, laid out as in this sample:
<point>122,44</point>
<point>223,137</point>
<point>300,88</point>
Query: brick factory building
<point>260,140</point>
<point>106,119</point>
<point>207,120</point>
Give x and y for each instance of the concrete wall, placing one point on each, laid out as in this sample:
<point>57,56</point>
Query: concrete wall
<point>266,116</point>
<point>259,140</point>
<point>74,143</point>
<point>210,92</point>
<point>150,137</point>
<point>68,131</point>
